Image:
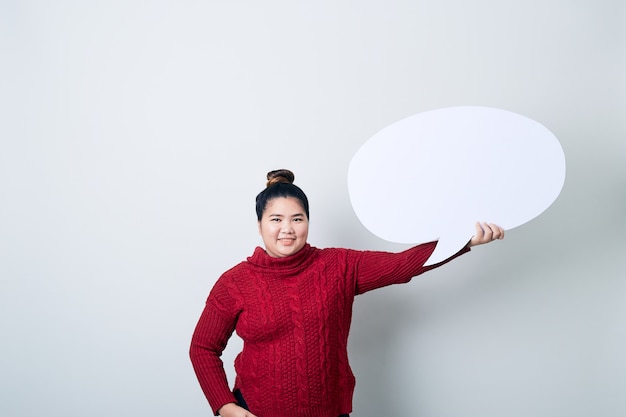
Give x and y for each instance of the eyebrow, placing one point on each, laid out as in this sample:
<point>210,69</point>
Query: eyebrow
<point>280,215</point>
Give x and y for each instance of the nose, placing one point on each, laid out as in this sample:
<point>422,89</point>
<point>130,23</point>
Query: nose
<point>287,227</point>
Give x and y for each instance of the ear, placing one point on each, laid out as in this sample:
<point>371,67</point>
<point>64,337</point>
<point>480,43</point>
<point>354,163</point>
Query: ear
<point>259,226</point>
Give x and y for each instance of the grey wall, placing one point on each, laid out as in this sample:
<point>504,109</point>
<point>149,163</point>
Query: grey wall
<point>135,135</point>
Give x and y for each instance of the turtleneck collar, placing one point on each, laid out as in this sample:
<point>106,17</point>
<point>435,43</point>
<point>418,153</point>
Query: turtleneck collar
<point>289,264</point>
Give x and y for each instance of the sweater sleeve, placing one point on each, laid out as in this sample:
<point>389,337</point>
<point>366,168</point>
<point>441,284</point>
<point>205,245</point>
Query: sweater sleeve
<point>380,269</point>
<point>209,340</point>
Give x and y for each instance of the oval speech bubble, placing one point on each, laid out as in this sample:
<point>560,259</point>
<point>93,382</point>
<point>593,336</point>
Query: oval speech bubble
<point>433,175</point>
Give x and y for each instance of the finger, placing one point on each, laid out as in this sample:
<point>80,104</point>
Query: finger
<point>479,231</point>
<point>488,232</point>
<point>498,232</point>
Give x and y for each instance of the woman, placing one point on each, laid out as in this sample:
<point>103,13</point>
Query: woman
<point>291,303</point>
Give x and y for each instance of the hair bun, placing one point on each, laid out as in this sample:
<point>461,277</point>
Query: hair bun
<point>278,176</point>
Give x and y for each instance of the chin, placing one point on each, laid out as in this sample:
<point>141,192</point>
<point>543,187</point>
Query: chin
<point>288,251</point>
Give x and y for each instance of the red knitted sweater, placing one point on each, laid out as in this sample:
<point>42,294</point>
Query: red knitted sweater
<point>294,316</point>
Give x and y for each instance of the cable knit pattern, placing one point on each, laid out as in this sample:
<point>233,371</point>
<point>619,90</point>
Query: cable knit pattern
<point>322,335</point>
<point>294,316</point>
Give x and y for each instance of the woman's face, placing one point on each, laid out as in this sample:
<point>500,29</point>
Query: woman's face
<point>284,227</point>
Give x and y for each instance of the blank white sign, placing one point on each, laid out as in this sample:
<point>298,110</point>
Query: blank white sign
<point>431,176</point>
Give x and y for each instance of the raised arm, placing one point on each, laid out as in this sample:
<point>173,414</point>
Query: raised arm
<point>379,269</point>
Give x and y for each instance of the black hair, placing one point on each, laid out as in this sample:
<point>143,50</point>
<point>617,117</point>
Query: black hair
<point>280,184</point>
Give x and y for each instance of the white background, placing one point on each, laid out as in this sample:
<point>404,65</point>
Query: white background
<point>134,136</point>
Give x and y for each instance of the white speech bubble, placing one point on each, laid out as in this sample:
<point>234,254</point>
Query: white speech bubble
<point>431,176</point>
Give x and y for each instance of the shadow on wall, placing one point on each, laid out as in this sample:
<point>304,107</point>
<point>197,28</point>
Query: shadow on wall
<point>379,317</point>
<point>496,334</point>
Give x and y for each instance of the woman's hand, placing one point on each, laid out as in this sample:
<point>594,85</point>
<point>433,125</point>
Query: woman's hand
<point>485,233</point>
<point>233,410</point>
